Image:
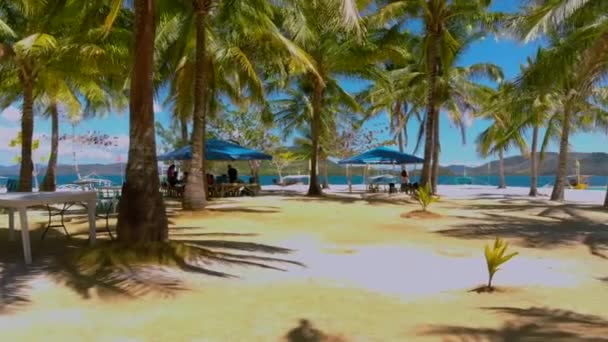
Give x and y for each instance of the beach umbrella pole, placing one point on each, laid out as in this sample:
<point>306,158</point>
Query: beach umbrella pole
<point>348,179</point>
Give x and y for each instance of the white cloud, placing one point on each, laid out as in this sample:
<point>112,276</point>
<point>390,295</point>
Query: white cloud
<point>11,114</point>
<point>89,154</point>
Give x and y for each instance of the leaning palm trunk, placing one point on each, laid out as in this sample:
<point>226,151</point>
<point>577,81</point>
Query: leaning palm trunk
<point>195,195</point>
<point>502,184</point>
<point>436,152</point>
<point>313,188</point>
<point>184,130</point>
<point>141,211</point>
<point>606,200</point>
<point>400,130</point>
<point>534,163</point>
<point>562,166</point>
<point>429,144</point>
<point>27,132</point>
<point>48,183</point>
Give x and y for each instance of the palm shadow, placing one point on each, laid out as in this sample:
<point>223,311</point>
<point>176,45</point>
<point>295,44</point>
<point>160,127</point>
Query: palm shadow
<point>248,209</point>
<point>110,269</point>
<point>553,226</point>
<point>370,200</point>
<point>530,324</point>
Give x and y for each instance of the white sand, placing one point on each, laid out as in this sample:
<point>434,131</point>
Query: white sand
<point>468,192</point>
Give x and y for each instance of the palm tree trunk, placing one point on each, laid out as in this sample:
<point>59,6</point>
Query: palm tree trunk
<point>48,183</point>
<point>325,175</point>
<point>502,184</point>
<point>195,195</point>
<point>429,142</point>
<point>562,167</point>
<point>403,124</point>
<point>184,130</point>
<point>398,117</point>
<point>431,109</point>
<point>606,200</point>
<point>313,186</point>
<point>141,211</point>
<point>534,163</point>
<point>436,152</point>
<point>27,133</point>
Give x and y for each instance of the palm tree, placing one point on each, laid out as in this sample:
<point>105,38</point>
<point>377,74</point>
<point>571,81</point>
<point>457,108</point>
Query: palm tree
<point>141,212</point>
<point>328,31</point>
<point>395,92</point>
<point>29,34</point>
<point>77,90</point>
<point>579,36</point>
<point>449,26</point>
<point>499,136</point>
<point>293,111</point>
<point>576,97</point>
<point>233,67</point>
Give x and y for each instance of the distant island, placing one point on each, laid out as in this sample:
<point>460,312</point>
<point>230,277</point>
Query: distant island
<point>595,163</point>
<point>591,164</point>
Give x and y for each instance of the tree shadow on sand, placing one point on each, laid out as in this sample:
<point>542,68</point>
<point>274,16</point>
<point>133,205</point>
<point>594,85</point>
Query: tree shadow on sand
<point>110,269</point>
<point>370,200</point>
<point>531,324</point>
<point>552,226</point>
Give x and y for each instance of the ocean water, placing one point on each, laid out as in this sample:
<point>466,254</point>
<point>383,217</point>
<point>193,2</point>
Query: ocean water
<point>596,182</point>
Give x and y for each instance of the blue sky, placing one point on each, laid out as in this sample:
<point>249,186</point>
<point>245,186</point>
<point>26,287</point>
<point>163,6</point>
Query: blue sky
<point>507,54</point>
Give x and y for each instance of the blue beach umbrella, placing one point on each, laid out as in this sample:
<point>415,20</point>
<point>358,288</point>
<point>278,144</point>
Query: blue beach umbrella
<point>382,155</point>
<point>217,150</point>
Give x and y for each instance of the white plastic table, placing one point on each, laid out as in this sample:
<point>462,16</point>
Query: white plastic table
<point>20,201</point>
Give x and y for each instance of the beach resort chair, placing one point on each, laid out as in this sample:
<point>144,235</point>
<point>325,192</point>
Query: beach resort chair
<point>54,212</point>
<point>107,206</point>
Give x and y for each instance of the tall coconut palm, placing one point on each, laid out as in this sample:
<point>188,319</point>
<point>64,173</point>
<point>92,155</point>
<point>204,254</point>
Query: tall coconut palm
<point>77,91</point>
<point>30,33</point>
<point>329,32</point>
<point>574,93</point>
<point>396,94</point>
<point>499,136</point>
<point>579,32</point>
<point>532,109</point>
<point>448,26</point>
<point>71,77</point>
<point>141,212</point>
<point>232,68</point>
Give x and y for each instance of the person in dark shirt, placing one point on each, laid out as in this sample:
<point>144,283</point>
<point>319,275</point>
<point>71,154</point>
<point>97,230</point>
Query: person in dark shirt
<point>172,175</point>
<point>233,174</point>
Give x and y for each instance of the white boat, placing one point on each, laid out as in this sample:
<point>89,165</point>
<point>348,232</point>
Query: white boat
<point>382,179</point>
<point>89,182</point>
<point>293,179</point>
<point>3,184</point>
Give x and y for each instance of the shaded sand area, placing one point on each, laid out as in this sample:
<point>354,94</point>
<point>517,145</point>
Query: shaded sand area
<point>365,274</point>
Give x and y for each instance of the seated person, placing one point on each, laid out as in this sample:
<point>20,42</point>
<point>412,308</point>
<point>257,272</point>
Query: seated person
<point>233,174</point>
<point>172,175</point>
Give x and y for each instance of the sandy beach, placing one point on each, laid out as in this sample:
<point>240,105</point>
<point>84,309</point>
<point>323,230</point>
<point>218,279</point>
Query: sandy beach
<point>364,273</point>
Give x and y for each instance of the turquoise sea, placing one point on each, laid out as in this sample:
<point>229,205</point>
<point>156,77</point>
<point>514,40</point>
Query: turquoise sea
<point>596,182</point>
